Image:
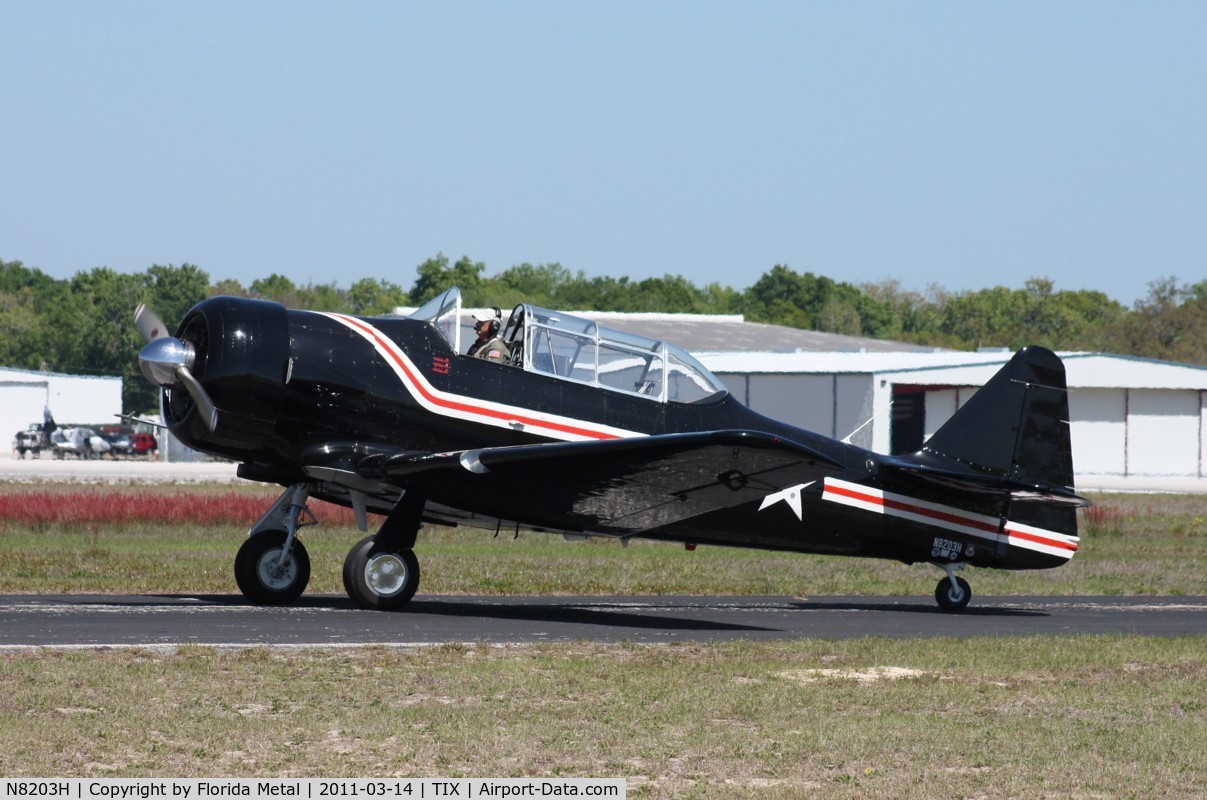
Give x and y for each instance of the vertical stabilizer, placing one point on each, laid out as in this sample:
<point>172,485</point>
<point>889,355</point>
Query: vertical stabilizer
<point>1016,426</point>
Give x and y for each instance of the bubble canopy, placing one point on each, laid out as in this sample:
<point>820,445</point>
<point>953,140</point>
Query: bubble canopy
<point>575,349</point>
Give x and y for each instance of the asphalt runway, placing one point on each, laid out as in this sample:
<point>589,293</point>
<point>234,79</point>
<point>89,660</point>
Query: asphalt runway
<point>160,621</point>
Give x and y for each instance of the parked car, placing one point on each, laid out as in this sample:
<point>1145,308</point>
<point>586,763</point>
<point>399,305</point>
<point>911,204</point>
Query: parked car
<point>83,443</point>
<point>27,442</point>
<point>119,444</point>
<point>143,444</point>
<point>31,440</point>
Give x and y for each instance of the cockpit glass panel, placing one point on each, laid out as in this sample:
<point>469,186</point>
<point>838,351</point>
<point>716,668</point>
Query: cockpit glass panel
<point>562,321</point>
<point>562,353</point>
<point>629,370</point>
<point>689,381</point>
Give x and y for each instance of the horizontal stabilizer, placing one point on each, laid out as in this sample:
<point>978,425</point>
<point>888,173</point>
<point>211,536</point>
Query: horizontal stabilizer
<point>943,478</point>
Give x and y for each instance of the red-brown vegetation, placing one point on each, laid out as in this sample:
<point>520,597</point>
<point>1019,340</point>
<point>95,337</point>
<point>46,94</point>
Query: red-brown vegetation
<point>110,507</point>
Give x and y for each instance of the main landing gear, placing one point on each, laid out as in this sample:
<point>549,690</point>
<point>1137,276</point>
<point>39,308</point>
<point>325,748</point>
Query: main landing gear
<point>953,592</point>
<point>380,572</point>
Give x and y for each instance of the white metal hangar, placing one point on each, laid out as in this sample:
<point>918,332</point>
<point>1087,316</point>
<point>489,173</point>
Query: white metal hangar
<point>72,399</point>
<point>1137,422</point>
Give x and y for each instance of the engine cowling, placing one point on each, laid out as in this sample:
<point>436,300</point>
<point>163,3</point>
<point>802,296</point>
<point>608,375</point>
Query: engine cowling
<point>240,354</point>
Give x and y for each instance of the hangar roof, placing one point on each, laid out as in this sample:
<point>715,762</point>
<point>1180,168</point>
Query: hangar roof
<point>1083,370</point>
<point>14,375</point>
<point>731,333</point>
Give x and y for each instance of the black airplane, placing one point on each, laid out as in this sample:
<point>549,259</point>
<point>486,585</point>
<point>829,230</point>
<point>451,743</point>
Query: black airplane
<point>585,431</point>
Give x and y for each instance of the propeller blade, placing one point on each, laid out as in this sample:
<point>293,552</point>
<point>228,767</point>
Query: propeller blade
<point>205,406</point>
<point>148,323</point>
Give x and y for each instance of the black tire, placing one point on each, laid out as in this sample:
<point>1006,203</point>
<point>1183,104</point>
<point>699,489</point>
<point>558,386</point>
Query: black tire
<point>254,569</point>
<point>953,597</point>
<point>380,577</point>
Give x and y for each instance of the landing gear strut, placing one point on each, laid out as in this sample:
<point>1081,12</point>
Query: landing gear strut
<point>381,571</point>
<point>953,592</point>
<point>272,567</point>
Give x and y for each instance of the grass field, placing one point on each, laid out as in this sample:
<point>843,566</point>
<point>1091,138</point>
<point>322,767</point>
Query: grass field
<point>1071,717</point>
<point>146,540</point>
<point>1095,717</point>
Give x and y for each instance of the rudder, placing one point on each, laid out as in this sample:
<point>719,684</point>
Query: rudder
<point>1016,426</point>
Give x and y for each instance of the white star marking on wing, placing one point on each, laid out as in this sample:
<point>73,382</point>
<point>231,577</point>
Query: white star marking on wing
<point>791,496</point>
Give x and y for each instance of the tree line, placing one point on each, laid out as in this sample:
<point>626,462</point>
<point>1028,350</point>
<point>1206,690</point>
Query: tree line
<point>85,325</point>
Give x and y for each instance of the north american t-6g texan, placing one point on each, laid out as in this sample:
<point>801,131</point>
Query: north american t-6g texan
<point>585,431</point>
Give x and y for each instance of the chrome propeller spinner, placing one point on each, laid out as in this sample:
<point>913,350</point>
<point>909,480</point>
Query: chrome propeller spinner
<point>167,361</point>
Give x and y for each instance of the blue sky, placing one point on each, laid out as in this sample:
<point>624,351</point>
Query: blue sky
<point>964,144</point>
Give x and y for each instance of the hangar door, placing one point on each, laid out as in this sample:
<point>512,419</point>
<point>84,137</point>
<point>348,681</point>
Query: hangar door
<point>1163,432</point>
<point>920,410</point>
<point>1099,431</point>
<point>908,429</point>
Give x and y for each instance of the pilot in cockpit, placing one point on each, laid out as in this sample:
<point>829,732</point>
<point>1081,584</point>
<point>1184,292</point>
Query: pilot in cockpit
<point>489,345</point>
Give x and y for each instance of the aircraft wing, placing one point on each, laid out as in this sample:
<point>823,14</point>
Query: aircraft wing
<point>615,486</point>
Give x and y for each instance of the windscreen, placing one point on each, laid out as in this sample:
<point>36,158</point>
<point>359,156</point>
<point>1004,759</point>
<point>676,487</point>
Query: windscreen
<point>443,312</point>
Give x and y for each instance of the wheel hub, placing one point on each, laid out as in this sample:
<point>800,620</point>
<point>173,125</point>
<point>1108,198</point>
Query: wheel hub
<point>272,573</point>
<point>386,574</point>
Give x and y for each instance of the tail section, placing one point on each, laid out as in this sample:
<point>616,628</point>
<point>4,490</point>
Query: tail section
<point>1007,453</point>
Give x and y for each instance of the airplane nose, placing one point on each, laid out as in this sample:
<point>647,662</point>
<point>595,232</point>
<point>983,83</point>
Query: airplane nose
<point>239,349</point>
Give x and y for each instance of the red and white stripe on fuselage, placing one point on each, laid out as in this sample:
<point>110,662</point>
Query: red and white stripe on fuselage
<point>474,409</point>
<point>949,518</point>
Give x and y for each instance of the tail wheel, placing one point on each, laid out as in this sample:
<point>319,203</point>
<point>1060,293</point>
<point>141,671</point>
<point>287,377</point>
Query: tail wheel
<point>263,577</point>
<point>953,594</point>
<point>380,577</point>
